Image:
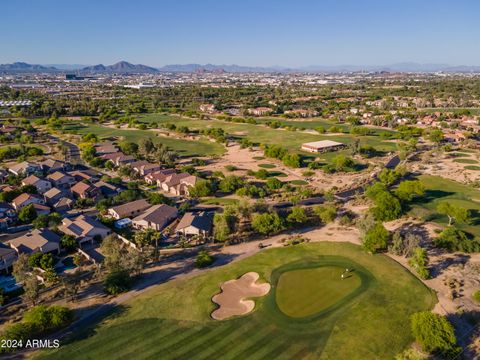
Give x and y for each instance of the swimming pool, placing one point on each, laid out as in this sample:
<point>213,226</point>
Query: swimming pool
<point>8,283</point>
<point>67,263</point>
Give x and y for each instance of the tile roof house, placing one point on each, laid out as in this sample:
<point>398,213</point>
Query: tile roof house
<point>38,240</point>
<point>24,168</point>
<point>53,165</point>
<point>158,177</point>
<point>84,190</point>
<point>53,195</point>
<point>107,189</point>
<point>156,217</point>
<point>119,158</point>
<point>105,148</point>
<point>195,224</point>
<point>178,184</point>
<point>144,167</point>
<point>84,228</point>
<point>63,205</point>
<point>41,209</point>
<point>7,257</point>
<point>129,209</point>
<point>42,185</point>
<point>7,215</point>
<point>61,180</point>
<point>25,199</point>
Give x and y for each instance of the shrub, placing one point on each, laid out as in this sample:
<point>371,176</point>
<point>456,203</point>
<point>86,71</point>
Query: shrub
<point>267,223</point>
<point>454,239</point>
<point>117,281</point>
<point>204,259</point>
<point>376,238</point>
<point>476,296</point>
<point>435,333</point>
<point>326,213</point>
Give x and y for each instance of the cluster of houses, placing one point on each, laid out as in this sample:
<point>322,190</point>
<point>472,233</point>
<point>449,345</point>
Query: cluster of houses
<point>57,188</point>
<point>140,215</point>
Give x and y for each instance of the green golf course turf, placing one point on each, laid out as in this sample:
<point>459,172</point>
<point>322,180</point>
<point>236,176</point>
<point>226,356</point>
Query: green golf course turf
<point>183,147</point>
<point>308,291</point>
<point>172,320</point>
<point>438,189</point>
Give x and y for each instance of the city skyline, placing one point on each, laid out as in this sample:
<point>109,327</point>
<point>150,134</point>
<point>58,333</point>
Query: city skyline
<point>267,33</point>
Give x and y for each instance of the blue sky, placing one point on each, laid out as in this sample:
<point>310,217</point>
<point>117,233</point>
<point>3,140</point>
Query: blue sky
<point>247,32</point>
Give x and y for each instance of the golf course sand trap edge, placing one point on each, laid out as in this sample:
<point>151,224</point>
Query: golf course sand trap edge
<point>231,300</point>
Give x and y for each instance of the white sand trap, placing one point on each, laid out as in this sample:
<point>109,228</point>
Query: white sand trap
<point>231,300</point>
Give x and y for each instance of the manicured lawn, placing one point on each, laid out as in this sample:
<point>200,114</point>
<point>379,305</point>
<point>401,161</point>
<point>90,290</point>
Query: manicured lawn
<point>472,167</point>
<point>466,161</point>
<point>298,182</point>
<point>439,189</point>
<point>308,291</point>
<point>267,166</point>
<point>183,147</point>
<point>291,140</point>
<point>172,320</point>
<point>218,201</point>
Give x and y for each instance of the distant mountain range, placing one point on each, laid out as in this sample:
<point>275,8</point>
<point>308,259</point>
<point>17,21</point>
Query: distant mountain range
<point>124,67</point>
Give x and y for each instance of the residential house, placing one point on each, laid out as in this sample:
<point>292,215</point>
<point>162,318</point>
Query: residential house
<point>53,195</point>
<point>7,215</point>
<point>25,199</point>
<point>3,175</point>
<point>260,111</point>
<point>63,205</point>
<point>107,189</point>
<point>25,168</point>
<point>84,190</point>
<point>61,180</point>
<point>53,165</point>
<point>84,228</point>
<point>158,177</point>
<point>41,185</point>
<point>41,209</point>
<point>105,148</point>
<point>119,158</point>
<point>144,167</point>
<point>192,224</point>
<point>178,184</point>
<point>37,240</point>
<point>156,217</point>
<point>7,257</point>
<point>130,209</point>
<point>81,175</point>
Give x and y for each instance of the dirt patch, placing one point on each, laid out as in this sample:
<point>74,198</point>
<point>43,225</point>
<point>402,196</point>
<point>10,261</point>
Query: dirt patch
<point>232,300</point>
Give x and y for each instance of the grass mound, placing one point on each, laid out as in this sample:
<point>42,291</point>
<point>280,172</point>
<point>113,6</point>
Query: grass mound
<point>472,167</point>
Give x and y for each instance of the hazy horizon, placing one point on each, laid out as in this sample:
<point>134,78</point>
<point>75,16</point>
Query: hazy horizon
<point>251,33</point>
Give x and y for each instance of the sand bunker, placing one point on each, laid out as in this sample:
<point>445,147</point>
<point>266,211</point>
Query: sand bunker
<point>231,300</point>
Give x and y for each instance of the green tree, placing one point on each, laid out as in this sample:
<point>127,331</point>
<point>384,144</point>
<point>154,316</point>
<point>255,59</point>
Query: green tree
<point>21,268</point>
<point>31,288</point>
<point>454,213</point>
<point>298,215</point>
<point>326,213</point>
<point>267,223</point>
<point>376,238</point>
<point>68,242</point>
<point>407,190</point>
<point>419,262</point>
<point>435,333</point>
<point>27,214</point>
<point>201,189</point>
<point>387,207</point>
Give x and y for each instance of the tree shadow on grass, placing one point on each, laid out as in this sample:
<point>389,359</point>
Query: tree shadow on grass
<point>431,195</point>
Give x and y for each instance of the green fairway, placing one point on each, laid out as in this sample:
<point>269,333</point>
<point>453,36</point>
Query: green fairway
<point>172,320</point>
<point>466,161</point>
<point>472,167</point>
<point>183,147</point>
<point>438,189</point>
<point>308,291</point>
<point>291,140</point>
<point>267,166</point>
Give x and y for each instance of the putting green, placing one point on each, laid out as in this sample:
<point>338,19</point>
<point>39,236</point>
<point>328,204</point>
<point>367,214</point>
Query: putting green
<point>306,292</point>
